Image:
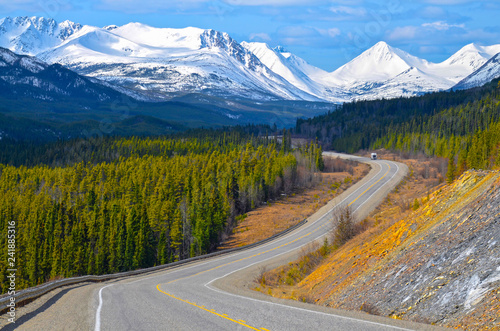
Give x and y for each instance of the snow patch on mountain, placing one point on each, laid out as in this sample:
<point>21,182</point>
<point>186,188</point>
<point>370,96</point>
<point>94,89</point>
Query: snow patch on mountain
<point>292,68</point>
<point>464,62</point>
<point>379,63</point>
<point>387,72</point>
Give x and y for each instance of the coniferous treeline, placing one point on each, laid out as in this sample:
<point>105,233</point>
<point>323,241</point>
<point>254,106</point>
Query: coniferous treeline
<point>140,202</point>
<point>468,135</point>
<point>463,126</point>
<point>109,148</point>
<point>357,125</point>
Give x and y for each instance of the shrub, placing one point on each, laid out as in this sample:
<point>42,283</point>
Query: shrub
<point>345,226</point>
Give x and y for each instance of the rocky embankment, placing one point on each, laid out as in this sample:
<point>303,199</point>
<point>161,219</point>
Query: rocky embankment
<point>440,266</point>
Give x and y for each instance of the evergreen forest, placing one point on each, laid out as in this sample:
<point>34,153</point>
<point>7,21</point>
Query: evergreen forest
<point>105,205</point>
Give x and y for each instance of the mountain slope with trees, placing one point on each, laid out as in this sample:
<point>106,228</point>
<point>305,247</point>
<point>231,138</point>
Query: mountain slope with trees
<point>463,126</point>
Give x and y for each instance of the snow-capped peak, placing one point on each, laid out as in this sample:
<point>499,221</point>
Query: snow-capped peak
<point>292,68</point>
<point>139,33</point>
<point>378,63</point>
<point>164,62</point>
<point>273,60</point>
<point>472,56</point>
<point>32,35</point>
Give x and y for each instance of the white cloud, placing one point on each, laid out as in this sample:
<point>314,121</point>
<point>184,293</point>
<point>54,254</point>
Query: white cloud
<point>442,26</point>
<point>29,5</point>
<point>333,32</point>
<point>432,12</point>
<point>430,49</point>
<point>275,2</point>
<point>148,6</point>
<point>298,31</point>
<point>449,2</point>
<point>49,8</point>
<point>307,36</point>
<point>403,33</point>
<point>260,36</point>
<point>351,11</point>
<point>413,32</point>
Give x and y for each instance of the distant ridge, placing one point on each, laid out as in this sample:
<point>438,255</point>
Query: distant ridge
<point>163,63</point>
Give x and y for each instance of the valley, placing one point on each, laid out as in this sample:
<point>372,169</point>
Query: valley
<point>222,165</point>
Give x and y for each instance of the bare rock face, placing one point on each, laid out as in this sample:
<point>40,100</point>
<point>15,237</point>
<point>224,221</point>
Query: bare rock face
<point>445,273</point>
<point>27,76</point>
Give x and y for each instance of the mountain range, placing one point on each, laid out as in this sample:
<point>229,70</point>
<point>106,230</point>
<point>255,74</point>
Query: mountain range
<point>158,64</point>
<point>43,102</point>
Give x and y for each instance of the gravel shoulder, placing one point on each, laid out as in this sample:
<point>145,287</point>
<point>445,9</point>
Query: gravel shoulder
<point>77,301</point>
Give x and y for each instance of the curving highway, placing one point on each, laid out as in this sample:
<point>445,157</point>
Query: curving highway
<point>214,294</point>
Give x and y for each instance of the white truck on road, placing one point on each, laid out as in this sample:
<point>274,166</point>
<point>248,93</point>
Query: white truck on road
<point>374,156</point>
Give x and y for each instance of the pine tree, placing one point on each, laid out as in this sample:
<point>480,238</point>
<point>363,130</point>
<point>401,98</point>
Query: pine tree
<point>450,174</point>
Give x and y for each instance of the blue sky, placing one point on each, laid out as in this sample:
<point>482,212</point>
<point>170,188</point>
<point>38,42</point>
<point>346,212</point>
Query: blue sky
<point>326,33</point>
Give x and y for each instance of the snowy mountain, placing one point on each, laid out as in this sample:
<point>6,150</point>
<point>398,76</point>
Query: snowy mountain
<point>26,76</point>
<point>380,72</point>
<point>387,72</point>
<point>160,63</point>
<point>295,70</point>
<point>377,64</point>
<point>486,73</point>
<point>468,59</point>
<point>32,35</point>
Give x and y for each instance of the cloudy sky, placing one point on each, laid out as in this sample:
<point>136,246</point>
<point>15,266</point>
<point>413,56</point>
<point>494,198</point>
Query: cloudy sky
<point>326,33</point>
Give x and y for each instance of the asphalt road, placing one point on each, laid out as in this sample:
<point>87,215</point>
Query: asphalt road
<point>214,294</point>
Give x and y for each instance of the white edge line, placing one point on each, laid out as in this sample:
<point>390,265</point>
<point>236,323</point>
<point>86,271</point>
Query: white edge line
<point>98,311</point>
<point>380,186</point>
<point>208,285</point>
<point>258,247</point>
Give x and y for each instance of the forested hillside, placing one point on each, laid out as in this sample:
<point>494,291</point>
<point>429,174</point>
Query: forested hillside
<point>129,203</point>
<point>463,126</point>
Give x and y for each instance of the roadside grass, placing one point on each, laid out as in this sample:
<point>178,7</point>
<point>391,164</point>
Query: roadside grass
<point>279,215</point>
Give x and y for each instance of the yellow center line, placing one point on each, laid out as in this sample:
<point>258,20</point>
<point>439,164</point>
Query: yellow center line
<point>244,258</point>
<point>241,322</point>
<point>359,196</point>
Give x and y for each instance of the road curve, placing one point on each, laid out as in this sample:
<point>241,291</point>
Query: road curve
<point>214,294</point>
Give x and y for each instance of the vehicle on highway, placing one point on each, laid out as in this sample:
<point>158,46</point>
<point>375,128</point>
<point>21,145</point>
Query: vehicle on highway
<point>374,156</point>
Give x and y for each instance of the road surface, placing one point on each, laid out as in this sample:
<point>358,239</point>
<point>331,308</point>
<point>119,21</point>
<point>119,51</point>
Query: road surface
<point>215,294</point>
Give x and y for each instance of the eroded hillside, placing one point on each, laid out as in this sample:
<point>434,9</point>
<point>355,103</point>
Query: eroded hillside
<point>439,265</point>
